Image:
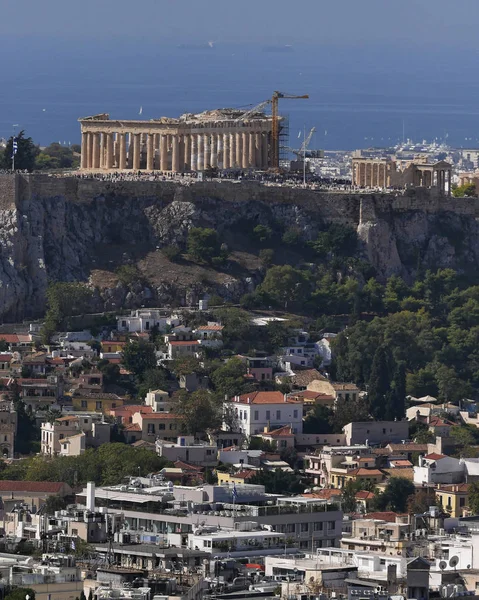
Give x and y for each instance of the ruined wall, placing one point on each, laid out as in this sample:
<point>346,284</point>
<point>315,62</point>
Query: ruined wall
<point>56,228</point>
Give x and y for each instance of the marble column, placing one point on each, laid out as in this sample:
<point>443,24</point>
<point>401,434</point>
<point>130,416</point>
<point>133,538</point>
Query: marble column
<point>84,149</point>
<point>136,152</point>
<point>102,150</point>
<point>226,151</point>
<point>201,153</point>
<point>220,151</point>
<point>245,156</point>
<point>163,152</point>
<point>239,149</point>
<point>156,151</point>
<point>257,149</point>
<point>252,150</point>
<point>207,150</point>
<point>187,155</point>
<point>194,152</point>
<point>96,150</point>
<point>150,153</point>
<point>109,150</point>
<point>122,152</point>
<point>175,154</point>
<point>232,146</point>
<point>89,150</point>
<point>214,151</point>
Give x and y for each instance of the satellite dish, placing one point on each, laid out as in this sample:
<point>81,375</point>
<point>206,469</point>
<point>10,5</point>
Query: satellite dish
<point>442,565</point>
<point>454,561</point>
<point>468,566</point>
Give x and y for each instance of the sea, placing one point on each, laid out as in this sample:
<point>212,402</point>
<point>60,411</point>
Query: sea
<point>358,97</point>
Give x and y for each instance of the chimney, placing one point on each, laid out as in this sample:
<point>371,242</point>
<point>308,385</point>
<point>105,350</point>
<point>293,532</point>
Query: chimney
<point>90,496</point>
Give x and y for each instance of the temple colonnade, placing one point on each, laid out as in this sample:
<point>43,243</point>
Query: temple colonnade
<point>143,145</point>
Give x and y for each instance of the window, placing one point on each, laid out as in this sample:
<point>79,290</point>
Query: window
<point>161,426</point>
<point>74,531</point>
<point>256,415</point>
<point>318,526</point>
<point>462,501</point>
<point>65,446</point>
<point>123,323</point>
<point>85,421</point>
<point>304,527</point>
<point>98,405</point>
<point>331,525</point>
<point>295,414</point>
<point>268,415</point>
<point>113,405</point>
<point>384,431</point>
<point>151,428</point>
<point>62,435</point>
<point>278,414</point>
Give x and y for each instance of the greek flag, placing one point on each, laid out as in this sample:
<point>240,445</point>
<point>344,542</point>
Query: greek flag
<point>15,146</point>
<point>235,492</point>
<point>73,545</point>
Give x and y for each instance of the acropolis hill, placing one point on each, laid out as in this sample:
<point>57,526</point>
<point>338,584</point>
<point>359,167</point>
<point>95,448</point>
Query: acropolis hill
<point>70,228</point>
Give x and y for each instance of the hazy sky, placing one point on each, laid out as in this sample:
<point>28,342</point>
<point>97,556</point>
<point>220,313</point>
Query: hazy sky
<point>423,23</point>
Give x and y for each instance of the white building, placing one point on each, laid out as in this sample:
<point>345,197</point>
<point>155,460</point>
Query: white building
<point>252,413</point>
<point>438,468</point>
<point>210,335</point>
<point>145,319</point>
<point>186,450</point>
<point>159,400</point>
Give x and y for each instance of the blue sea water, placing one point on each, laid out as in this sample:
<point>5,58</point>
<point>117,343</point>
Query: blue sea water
<point>358,97</point>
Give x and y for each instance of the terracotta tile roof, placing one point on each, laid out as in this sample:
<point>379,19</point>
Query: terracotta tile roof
<point>285,431</point>
<point>10,338</point>
<point>63,419</point>
<point>263,398</point>
<point>184,343</point>
<point>305,377</point>
<point>179,464</point>
<point>325,494</point>
<point>345,386</point>
<point>401,463</point>
<point>364,495</point>
<point>133,427</point>
<point>24,338</point>
<point>210,328</point>
<point>310,395</point>
<point>454,488</point>
<point>5,357</point>
<point>161,416</point>
<point>46,487</point>
<point>112,343</point>
<point>438,422</point>
<point>435,456</point>
<point>244,474</point>
<point>365,472</point>
<point>388,516</point>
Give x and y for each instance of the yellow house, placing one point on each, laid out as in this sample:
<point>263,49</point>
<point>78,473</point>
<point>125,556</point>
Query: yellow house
<point>453,498</point>
<point>112,346</point>
<point>339,477</point>
<point>96,402</point>
<point>237,478</point>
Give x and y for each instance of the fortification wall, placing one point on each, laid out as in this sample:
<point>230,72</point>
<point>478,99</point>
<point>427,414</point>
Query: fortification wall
<point>23,188</point>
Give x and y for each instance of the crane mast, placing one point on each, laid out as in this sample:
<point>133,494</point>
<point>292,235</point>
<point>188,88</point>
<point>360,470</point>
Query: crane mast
<point>275,124</point>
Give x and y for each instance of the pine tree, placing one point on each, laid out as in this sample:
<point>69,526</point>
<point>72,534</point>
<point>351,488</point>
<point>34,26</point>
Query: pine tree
<point>25,156</point>
<point>399,387</point>
<point>379,383</point>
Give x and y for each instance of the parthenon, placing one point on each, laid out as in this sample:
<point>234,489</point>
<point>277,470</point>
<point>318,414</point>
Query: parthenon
<point>193,142</point>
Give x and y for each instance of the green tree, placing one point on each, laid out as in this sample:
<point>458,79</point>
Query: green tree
<point>20,593</point>
<point>473,502</point>
<point>349,412</point>
<point>138,357</point>
<point>419,502</point>
<point>278,482</point>
<point>379,384</point>
<point>228,379</point>
<point>395,495</point>
<point>262,233</point>
<point>199,411</point>
<point>422,383</point>
<point>286,285</point>
<point>25,156</point>
<point>203,244</point>
<point>464,191</point>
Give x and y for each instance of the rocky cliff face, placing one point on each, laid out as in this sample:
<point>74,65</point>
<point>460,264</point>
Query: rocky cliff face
<point>83,230</point>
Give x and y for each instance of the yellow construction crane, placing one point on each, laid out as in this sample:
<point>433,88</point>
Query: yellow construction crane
<point>275,124</point>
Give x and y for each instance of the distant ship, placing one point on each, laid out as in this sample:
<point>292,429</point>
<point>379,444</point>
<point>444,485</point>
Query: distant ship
<point>205,46</point>
<point>285,48</point>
